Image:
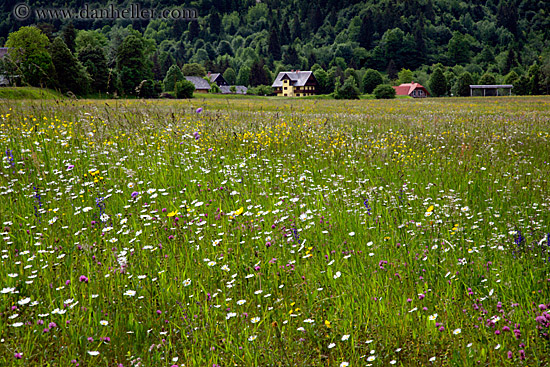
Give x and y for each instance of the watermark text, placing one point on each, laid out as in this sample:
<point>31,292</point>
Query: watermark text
<point>23,12</point>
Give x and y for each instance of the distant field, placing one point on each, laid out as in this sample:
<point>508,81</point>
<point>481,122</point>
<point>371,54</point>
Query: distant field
<point>275,232</point>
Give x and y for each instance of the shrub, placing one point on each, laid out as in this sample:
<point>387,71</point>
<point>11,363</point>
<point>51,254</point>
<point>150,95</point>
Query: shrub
<point>261,90</point>
<point>148,89</point>
<point>371,80</point>
<point>348,90</point>
<point>184,89</point>
<point>384,91</point>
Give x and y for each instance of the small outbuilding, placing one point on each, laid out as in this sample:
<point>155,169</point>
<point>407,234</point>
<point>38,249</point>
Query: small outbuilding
<point>238,89</point>
<point>412,89</point>
<point>491,90</point>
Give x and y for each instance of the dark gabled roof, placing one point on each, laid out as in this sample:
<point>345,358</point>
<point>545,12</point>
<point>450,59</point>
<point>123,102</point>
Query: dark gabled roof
<point>198,81</point>
<point>239,89</point>
<point>298,78</point>
<point>216,76</point>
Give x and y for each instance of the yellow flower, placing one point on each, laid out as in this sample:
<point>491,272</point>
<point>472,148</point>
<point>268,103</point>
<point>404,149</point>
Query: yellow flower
<point>327,324</point>
<point>430,209</point>
<point>174,213</point>
<point>239,211</point>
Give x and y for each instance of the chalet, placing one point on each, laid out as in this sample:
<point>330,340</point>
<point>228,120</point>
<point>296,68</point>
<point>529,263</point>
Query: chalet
<point>217,78</point>
<point>201,85</point>
<point>295,84</point>
<point>413,89</point>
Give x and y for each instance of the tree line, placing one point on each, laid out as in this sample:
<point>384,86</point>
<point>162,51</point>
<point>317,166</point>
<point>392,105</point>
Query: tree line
<point>442,42</point>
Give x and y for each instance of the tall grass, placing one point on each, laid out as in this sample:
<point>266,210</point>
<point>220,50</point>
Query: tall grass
<point>271,232</point>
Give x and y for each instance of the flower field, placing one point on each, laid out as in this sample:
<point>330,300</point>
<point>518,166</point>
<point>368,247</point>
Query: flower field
<point>275,232</point>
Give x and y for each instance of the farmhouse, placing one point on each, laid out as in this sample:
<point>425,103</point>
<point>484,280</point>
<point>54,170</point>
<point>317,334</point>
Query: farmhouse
<point>413,89</point>
<point>295,84</point>
<point>201,85</point>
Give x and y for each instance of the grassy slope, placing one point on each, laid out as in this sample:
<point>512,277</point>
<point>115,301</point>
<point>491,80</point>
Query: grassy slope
<point>28,93</point>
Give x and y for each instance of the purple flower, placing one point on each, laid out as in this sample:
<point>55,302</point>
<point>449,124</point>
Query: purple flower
<point>510,354</point>
<point>199,110</point>
<point>70,167</point>
<point>18,355</point>
<point>421,296</point>
<point>52,325</point>
<point>135,194</point>
<point>83,279</point>
<point>542,307</point>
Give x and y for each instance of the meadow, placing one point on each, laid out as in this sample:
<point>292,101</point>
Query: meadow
<point>275,232</point>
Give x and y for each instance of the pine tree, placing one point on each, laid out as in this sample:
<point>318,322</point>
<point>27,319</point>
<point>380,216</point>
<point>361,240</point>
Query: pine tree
<point>507,16</point>
<point>230,76</point>
<point>69,36</point>
<point>215,24</point>
<point>194,31</point>
<point>511,61</point>
<point>458,49</point>
<point>243,78</point>
<point>392,70</point>
<point>290,57</point>
<point>273,45</point>
<point>173,76</point>
<point>296,30</point>
<point>258,75</point>
<point>71,75</point>
<point>366,32</point>
<point>438,83</point>
<point>93,58</point>
<point>132,64</point>
<point>284,38</point>
<point>463,84</point>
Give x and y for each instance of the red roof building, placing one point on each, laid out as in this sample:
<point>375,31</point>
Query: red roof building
<point>413,89</point>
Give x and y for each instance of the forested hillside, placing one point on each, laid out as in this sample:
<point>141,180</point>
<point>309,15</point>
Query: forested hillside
<point>250,41</point>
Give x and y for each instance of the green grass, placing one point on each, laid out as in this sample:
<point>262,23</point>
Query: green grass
<point>275,232</point>
<point>16,93</point>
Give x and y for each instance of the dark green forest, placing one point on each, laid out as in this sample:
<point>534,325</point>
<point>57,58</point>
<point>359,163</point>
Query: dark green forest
<point>442,44</point>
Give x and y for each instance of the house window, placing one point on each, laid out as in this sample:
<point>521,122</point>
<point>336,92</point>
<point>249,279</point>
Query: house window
<point>284,88</point>
<point>285,94</point>
<point>298,95</point>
